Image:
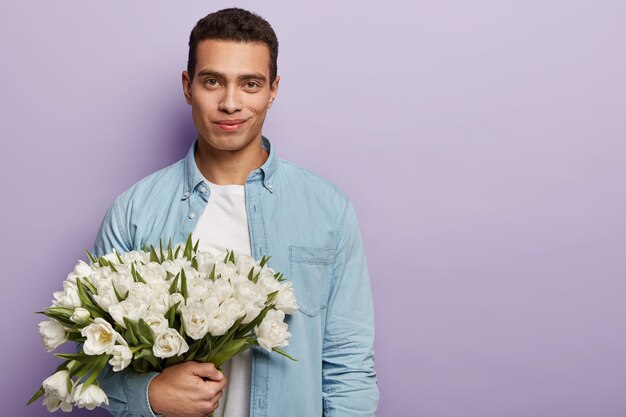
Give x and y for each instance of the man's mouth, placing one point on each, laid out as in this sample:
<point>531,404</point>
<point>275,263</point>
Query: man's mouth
<point>230,124</point>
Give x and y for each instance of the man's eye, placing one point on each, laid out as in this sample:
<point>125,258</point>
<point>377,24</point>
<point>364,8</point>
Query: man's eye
<point>251,84</point>
<point>211,81</point>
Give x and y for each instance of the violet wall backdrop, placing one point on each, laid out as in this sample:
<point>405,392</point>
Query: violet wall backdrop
<point>482,144</point>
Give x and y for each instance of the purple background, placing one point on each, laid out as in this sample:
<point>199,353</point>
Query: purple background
<point>482,144</point>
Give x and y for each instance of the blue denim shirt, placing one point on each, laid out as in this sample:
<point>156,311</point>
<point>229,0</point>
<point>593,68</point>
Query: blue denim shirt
<point>311,232</point>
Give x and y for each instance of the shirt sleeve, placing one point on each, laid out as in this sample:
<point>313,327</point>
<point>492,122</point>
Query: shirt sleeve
<point>349,380</point>
<point>127,390</point>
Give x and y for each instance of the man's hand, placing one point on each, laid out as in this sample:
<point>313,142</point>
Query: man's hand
<point>188,389</point>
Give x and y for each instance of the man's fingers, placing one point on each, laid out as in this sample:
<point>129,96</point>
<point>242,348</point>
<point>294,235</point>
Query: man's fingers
<point>206,370</point>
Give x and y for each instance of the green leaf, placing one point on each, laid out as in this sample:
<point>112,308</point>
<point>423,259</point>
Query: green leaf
<point>188,248</point>
<point>119,296</point>
<point>228,351</point>
<point>40,392</point>
<point>75,337</point>
<point>195,247</point>
<point>153,255</point>
<point>90,256</point>
<point>194,263</point>
<point>205,346</point>
<point>161,250</point>
<point>94,309</point>
<point>248,327</point>
<point>285,354</point>
<point>140,366</point>
<point>183,283</point>
<point>173,361</point>
<point>61,319</point>
<point>132,332</point>
<point>136,275</point>
<point>112,267</point>
<point>90,286</point>
<point>61,311</point>
<point>271,296</point>
<point>176,253</point>
<point>147,355</point>
<point>212,275</point>
<point>119,258</point>
<point>174,286</point>
<point>146,332</point>
<point>231,258</point>
<point>170,254</point>
<point>264,260</point>
<point>82,294</point>
<point>193,349</point>
<point>81,357</point>
<point>171,315</point>
<point>99,366</point>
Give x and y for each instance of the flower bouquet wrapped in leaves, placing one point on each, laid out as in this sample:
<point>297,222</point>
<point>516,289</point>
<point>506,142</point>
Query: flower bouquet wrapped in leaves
<point>155,308</point>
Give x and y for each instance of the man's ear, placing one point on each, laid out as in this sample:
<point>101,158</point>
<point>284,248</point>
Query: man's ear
<point>273,91</point>
<point>187,87</point>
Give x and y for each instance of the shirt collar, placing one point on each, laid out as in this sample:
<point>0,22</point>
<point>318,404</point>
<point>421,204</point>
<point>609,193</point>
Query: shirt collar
<point>194,178</point>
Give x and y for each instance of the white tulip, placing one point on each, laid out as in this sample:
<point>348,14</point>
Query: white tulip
<point>134,255</point>
<point>67,298</point>
<point>131,308</point>
<point>122,356</point>
<point>121,282</point>
<point>169,343</point>
<point>219,321</point>
<point>233,308</point>
<point>54,403</point>
<point>285,300</point>
<point>80,315</point>
<point>272,332</point>
<point>177,298</point>
<point>81,270</point>
<point>56,385</point>
<point>222,289</point>
<point>157,322</point>
<point>195,321</point>
<point>105,297</point>
<point>53,334</point>
<point>90,397</point>
<point>152,271</point>
<point>245,263</point>
<point>267,282</point>
<point>100,337</point>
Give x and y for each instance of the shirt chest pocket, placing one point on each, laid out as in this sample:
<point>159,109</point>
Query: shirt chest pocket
<point>310,272</point>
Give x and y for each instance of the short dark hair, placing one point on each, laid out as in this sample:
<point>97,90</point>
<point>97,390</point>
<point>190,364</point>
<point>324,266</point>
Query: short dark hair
<point>233,24</point>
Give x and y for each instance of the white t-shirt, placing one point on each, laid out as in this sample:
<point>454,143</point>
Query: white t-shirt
<point>224,225</point>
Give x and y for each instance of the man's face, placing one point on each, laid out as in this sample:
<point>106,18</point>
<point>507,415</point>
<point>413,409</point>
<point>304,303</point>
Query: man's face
<point>230,93</point>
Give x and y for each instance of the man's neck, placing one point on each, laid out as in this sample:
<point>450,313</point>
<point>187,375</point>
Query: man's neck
<point>229,167</point>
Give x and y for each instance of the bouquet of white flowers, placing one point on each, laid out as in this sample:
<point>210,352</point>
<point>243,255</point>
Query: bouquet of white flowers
<point>154,308</point>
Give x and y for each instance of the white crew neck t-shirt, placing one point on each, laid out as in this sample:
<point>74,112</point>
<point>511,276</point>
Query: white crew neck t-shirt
<point>224,225</point>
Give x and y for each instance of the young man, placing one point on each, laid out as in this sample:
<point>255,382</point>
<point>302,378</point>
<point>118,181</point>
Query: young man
<point>233,192</point>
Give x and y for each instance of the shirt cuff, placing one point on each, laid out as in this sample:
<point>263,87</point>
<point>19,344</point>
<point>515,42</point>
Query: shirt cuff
<point>138,383</point>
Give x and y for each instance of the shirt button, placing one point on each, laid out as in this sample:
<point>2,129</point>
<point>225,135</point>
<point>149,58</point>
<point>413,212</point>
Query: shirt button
<point>187,194</point>
<point>192,215</point>
<point>269,187</point>
<point>203,189</point>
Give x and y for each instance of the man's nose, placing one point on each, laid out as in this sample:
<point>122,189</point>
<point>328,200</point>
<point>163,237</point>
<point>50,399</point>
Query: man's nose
<point>231,100</point>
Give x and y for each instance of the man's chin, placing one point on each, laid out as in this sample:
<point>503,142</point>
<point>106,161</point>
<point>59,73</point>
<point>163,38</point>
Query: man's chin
<point>227,144</point>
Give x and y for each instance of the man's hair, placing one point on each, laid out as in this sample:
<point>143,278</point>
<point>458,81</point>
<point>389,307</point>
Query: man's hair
<point>233,24</point>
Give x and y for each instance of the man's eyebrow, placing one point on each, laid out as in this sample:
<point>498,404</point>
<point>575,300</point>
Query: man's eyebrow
<point>242,77</point>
